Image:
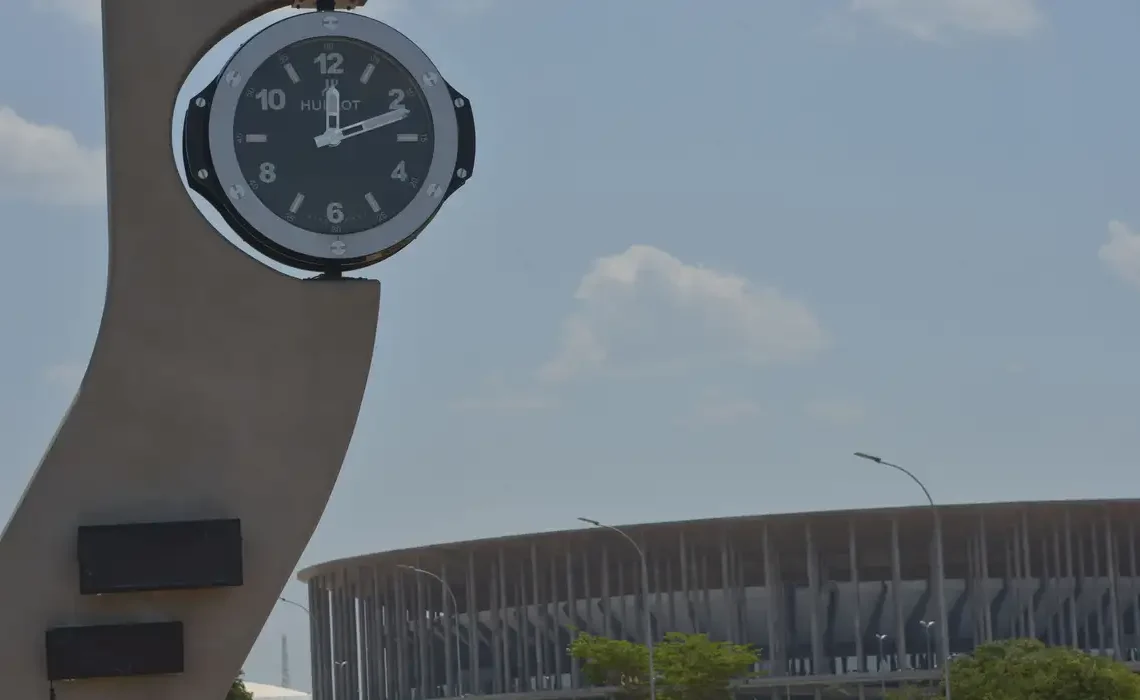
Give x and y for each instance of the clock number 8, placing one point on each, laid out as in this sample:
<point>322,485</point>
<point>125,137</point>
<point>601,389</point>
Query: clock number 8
<point>267,172</point>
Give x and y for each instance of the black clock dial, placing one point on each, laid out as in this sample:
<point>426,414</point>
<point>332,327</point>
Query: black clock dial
<point>306,171</point>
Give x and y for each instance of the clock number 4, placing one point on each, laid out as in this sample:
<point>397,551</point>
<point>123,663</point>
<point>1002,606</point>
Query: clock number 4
<point>330,63</point>
<point>401,172</point>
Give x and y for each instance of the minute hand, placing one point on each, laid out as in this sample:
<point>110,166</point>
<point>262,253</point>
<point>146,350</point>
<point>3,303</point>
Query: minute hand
<point>335,136</point>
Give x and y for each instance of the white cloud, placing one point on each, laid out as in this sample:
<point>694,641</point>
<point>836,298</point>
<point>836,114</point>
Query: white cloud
<point>503,403</point>
<point>842,412</point>
<point>645,308</point>
<point>938,20</point>
<point>65,375</point>
<point>715,408</point>
<point>1121,252</point>
<point>89,13</point>
<point>498,396</point>
<point>46,164</point>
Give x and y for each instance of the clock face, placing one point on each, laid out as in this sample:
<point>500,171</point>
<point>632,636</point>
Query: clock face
<point>333,135</point>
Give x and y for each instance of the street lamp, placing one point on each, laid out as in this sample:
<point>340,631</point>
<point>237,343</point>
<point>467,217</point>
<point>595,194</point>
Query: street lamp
<point>455,607</point>
<point>938,575</point>
<point>882,677</point>
<point>644,597</point>
<point>283,599</point>
<point>927,624</point>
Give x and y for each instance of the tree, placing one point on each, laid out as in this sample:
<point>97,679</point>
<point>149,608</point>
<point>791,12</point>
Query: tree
<point>238,691</point>
<point>688,666</point>
<point>1026,669</point>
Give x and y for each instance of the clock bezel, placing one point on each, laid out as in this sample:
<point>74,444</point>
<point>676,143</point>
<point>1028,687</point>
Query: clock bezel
<point>369,243</point>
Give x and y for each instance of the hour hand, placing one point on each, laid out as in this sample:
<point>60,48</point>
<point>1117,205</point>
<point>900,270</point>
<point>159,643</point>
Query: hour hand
<point>332,137</point>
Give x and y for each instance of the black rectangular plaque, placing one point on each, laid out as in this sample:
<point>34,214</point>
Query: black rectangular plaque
<point>114,651</point>
<point>160,556</point>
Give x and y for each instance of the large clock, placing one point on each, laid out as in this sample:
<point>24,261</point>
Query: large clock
<point>328,141</point>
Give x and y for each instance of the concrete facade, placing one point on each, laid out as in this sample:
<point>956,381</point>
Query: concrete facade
<point>217,388</point>
<point>812,591</point>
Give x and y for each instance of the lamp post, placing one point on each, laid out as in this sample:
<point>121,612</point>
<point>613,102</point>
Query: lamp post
<point>926,625</point>
<point>455,608</point>
<point>938,575</point>
<point>882,678</point>
<point>644,598</point>
<point>283,599</point>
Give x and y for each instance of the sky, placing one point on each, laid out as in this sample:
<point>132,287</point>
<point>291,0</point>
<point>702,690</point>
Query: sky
<point>709,250</point>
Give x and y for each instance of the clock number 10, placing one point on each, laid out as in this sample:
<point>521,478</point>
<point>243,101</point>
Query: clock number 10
<point>271,99</point>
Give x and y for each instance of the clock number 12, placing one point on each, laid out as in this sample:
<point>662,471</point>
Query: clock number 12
<point>330,63</point>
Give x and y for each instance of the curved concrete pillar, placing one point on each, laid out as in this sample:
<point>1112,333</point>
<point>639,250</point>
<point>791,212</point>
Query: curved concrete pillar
<point>217,388</point>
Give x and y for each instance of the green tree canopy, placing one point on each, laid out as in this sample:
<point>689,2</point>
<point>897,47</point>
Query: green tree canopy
<point>238,691</point>
<point>688,666</point>
<point>1026,669</point>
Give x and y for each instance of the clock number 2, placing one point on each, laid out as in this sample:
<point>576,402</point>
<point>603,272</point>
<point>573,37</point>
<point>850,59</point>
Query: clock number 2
<point>397,96</point>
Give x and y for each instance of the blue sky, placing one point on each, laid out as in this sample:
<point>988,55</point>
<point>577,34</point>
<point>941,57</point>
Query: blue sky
<point>710,249</point>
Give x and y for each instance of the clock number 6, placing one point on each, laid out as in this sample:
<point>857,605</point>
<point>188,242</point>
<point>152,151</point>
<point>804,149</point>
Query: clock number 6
<point>334,212</point>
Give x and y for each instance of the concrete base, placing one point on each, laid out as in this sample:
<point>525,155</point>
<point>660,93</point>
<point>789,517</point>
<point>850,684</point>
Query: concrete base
<point>217,388</point>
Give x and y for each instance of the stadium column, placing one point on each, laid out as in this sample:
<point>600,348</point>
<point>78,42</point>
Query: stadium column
<point>398,627</point>
<point>1083,638</point>
<point>314,629</point>
<point>450,636</point>
<point>725,590</point>
<point>353,646</point>
<point>1132,598</point>
<point>364,631</point>
<point>857,621</point>
<point>776,665</point>
<point>1060,589</point>
<point>657,595</point>
<point>553,624</point>
<point>522,637</point>
<point>984,559</point>
<point>504,662</point>
<point>380,613</point>
<point>607,612</point>
<point>496,622</point>
<point>1094,573</point>
<point>474,633</point>
<point>817,661</point>
<point>572,613</point>
<point>1071,581</point>
<point>1113,581</point>
<point>321,654</point>
<point>1008,611</point>
<point>972,581</point>
<point>1013,561</point>
<point>896,589</point>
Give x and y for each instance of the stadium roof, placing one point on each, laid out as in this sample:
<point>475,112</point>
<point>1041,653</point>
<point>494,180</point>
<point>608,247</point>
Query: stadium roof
<point>264,691</point>
<point>587,534</point>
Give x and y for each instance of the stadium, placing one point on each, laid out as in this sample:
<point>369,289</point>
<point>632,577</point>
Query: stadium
<point>841,599</point>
